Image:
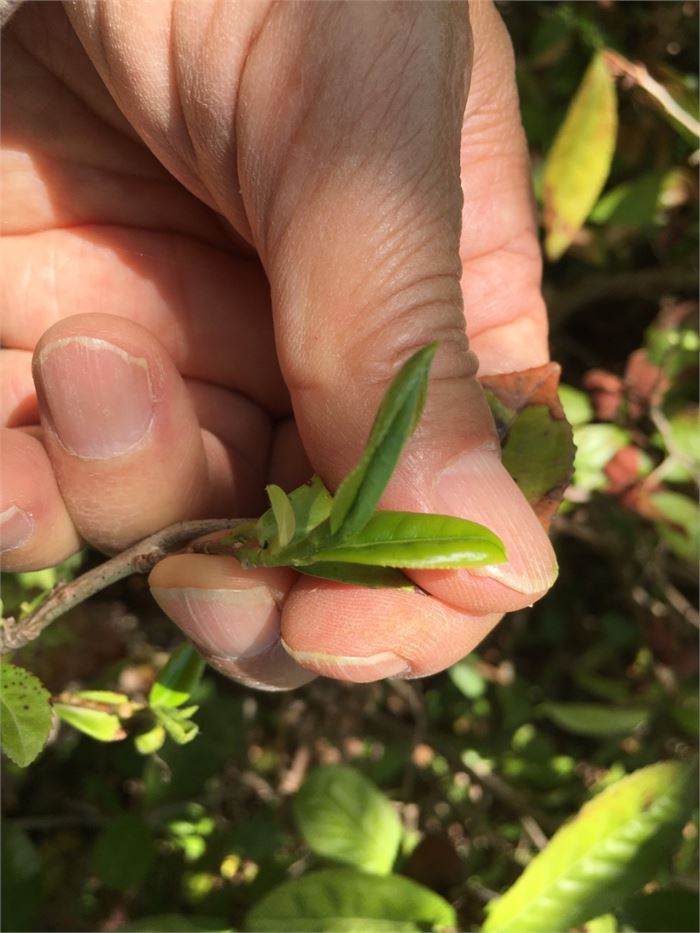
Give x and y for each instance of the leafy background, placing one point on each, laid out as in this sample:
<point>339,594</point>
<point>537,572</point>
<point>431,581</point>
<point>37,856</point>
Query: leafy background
<point>413,806</point>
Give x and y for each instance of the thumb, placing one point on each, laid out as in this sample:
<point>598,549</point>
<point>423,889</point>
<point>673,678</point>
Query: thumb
<point>355,207</point>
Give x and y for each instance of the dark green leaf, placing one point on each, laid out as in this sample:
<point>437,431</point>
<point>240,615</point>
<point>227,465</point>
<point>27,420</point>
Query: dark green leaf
<point>25,714</point>
<point>579,160</point>
<point>349,901</point>
<point>124,852</point>
<point>631,204</point>
<point>359,575</point>
<point>537,452</point>
<point>416,539</point>
<point>344,817</point>
<point>359,493</point>
<point>21,880</point>
<point>595,719</point>
<point>177,679</point>
<point>105,727</point>
<point>602,856</point>
<point>177,923</point>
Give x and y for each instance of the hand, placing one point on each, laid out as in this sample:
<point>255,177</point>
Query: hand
<point>217,277</point>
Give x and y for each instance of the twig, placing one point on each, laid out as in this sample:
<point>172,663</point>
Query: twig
<point>139,558</point>
<point>638,74</point>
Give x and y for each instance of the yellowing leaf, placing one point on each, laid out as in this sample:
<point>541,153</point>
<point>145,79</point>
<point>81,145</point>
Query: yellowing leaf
<point>578,163</point>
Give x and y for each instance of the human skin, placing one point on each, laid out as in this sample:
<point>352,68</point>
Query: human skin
<point>226,225</point>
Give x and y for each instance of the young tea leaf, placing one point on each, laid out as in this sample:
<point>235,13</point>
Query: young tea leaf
<point>25,714</point>
<point>149,742</point>
<point>105,727</point>
<point>180,729</point>
<point>358,494</point>
<point>284,515</point>
<point>600,857</point>
<point>344,817</point>
<point>311,505</point>
<point>178,678</point>
<point>108,697</point>
<point>417,540</point>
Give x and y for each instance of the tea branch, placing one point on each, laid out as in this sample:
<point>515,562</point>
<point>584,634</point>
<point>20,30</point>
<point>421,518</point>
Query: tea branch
<point>139,558</point>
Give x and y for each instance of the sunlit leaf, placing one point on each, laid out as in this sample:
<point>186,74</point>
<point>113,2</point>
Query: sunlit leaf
<point>349,901</point>
<point>151,741</point>
<point>179,728</point>
<point>108,697</point>
<point>416,539</point>
<point>596,445</point>
<point>359,493</point>
<point>467,679</point>
<point>600,857</point>
<point>678,523</point>
<point>595,719</point>
<point>177,679</point>
<point>99,725</point>
<point>311,504</point>
<point>579,161</point>
<point>576,404</point>
<point>25,714</point>
<point>344,817</point>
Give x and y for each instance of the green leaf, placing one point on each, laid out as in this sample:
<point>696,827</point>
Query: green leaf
<point>311,505</point>
<point>576,404</point>
<point>25,714</point>
<point>151,741</point>
<point>675,909</point>
<point>537,452</point>
<point>600,857</point>
<point>284,515</point>
<point>679,523</point>
<point>359,575</point>
<point>124,852</point>
<point>177,679</point>
<point>417,539</point>
<point>595,719</point>
<point>631,204</point>
<point>358,494</point>
<point>349,901</point>
<point>467,679</point>
<point>105,727</point>
<point>21,879</point>
<point>344,817</point>
<point>108,697</point>
<point>579,161</point>
<point>596,445</point>
<point>179,728</point>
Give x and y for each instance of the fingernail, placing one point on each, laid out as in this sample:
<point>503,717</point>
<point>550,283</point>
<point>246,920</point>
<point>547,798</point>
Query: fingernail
<point>16,528</point>
<point>476,486</point>
<point>356,669</point>
<point>98,396</point>
<point>233,624</point>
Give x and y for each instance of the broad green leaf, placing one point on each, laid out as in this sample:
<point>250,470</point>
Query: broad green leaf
<point>105,727</point>
<point>124,852</point>
<point>576,404</point>
<point>600,857</point>
<point>467,679</point>
<point>179,728</point>
<point>679,523</point>
<point>177,679</point>
<point>578,163</point>
<point>177,923</point>
<point>359,575</point>
<point>25,714</point>
<point>151,741</point>
<point>344,817</point>
<point>595,719</point>
<point>417,539</point>
<point>311,504</point>
<point>685,434</point>
<point>675,909</point>
<point>346,901</point>
<point>108,697</point>
<point>284,514</point>
<point>399,412</point>
<point>537,452</point>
